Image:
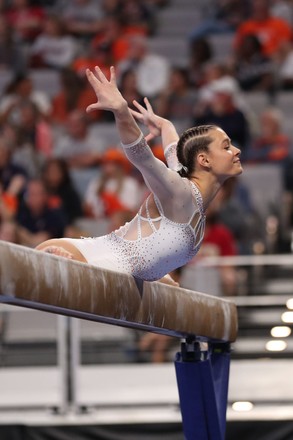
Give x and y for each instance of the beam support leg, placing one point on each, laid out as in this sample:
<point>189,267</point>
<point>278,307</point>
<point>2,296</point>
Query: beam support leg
<point>202,379</point>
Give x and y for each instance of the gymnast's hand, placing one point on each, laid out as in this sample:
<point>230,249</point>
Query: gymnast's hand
<point>146,116</point>
<point>108,95</point>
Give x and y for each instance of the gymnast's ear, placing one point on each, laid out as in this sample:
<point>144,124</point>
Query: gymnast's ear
<point>203,160</point>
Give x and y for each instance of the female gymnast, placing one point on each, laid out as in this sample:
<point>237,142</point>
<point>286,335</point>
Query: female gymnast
<point>168,229</point>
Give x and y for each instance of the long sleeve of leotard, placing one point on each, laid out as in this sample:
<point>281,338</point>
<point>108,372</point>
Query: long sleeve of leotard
<point>161,180</point>
<point>170,153</point>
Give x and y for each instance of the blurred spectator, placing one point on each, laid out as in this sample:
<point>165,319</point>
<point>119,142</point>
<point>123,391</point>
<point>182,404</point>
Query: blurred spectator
<point>222,110</point>
<point>9,199</point>
<point>11,54</point>
<point>154,347</point>
<point>223,16</point>
<point>74,94</point>
<point>99,52</point>
<point>284,67</point>
<point>110,7</point>
<point>95,54</point>
<point>253,69</point>
<point>4,5</point>
<point>12,181</point>
<point>236,211</point>
<point>219,241</point>
<point>282,9</point>
<point>35,138</point>
<point>79,145</point>
<point>271,31</point>
<point>21,89</point>
<point>177,101</point>
<point>128,87</point>
<point>136,17</point>
<point>62,193</point>
<point>9,231</point>
<point>271,145</point>
<point>201,52</point>
<point>27,21</point>
<point>52,47</point>
<point>217,76</point>
<point>8,170</point>
<point>34,129</point>
<point>152,70</point>
<point>113,190</point>
<point>36,219</point>
<point>111,41</point>
<point>218,238</point>
<point>119,218</point>
<point>82,18</point>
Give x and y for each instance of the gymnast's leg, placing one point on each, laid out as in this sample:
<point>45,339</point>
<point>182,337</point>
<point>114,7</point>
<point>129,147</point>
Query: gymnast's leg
<point>66,249</point>
<point>63,248</point>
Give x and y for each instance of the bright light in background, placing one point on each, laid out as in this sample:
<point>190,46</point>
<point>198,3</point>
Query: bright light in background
<point>242,406</point>
<point>281,331</point>
<point>289,304</point>
<point>287,317</point>
<point>276,345</point>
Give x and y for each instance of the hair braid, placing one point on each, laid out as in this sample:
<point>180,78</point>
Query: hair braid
<point>191,142</point>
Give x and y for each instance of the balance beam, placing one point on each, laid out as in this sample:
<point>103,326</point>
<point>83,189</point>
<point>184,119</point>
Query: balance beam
<point>50,283</point>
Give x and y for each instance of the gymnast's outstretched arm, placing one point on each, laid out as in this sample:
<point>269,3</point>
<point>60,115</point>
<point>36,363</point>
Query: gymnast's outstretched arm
<point>109,98</point>
<point>159,126</point>
<point>127,127</point>
<point>155,172</point>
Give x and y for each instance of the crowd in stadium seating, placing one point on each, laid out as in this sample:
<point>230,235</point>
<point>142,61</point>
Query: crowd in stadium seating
<point>59,164</point>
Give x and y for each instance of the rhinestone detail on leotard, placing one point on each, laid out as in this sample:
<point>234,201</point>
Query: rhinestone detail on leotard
<point>170,246</point>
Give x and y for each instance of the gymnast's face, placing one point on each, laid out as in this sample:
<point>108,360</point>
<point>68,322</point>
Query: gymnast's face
<point>223,158</point>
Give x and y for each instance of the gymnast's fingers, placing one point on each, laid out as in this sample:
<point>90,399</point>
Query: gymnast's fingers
<point>92,107</point>
<point>100,75</point>
<point>136,114</point>
<point>148,105</point>
<point>93,80</point>
<point>113,76</point>
<point>139,106</point>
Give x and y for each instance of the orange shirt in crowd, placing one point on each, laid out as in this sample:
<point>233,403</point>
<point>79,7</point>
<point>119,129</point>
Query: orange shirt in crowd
<point>60,111</point>
<point>271,33</point>
<point>118,50</point>
<point>10,202</point>
<point>275,149</point>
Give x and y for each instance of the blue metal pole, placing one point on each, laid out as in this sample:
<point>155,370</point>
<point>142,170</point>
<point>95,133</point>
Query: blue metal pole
<point>220,362</point>
<point>202,378</point>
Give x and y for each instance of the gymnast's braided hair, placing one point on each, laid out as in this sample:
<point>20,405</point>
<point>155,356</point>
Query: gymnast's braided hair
<point>191,142</point>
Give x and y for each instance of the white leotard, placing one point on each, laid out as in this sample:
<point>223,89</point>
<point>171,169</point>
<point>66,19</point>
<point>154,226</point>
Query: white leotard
<point>149,248</point>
